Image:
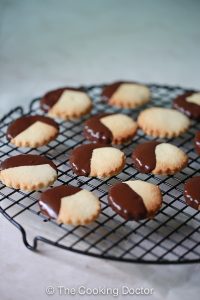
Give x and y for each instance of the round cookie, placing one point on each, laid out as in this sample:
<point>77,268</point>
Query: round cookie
<point>110,128</point>
<point>197,142</point>
<point>163,122</point>
<point>66,103</point>
<point>97,160</point>
<point>192,192</point>
<point>32,131</point>
<point>126,94</point>
<point>158,158</point>
<point>70,205</point>
<point>189,104</point>
<point>28,172</point>
<point>135,199</point>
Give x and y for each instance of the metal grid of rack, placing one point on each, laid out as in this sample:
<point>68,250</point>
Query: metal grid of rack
<point>173,236</point>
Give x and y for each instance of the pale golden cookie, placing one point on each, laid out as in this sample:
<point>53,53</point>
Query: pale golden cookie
<point>135,199</point>
<point>126,94</point>
<point>70,205</point>
<point>32,131</point>
<point>28,172</point>
<point>66,103</point>
<point>163,122</point>
<point>110,128</point>
<point>97,160</point>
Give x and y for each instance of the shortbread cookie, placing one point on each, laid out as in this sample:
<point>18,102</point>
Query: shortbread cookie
<point>110,128</point>
<point>189,104</point>
<point>135,199</point>
<point>97,160</point>
<point>192,192</point>
<point>197,142</point>
<point>28,172</point>
<point>163,122</point>
<point>126,94</point>
<point>70,205</point>
<point>32,131</point>
<point>66,103</point>
<point>158,158</point>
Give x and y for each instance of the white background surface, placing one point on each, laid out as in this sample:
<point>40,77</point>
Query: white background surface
<point>46,44</point>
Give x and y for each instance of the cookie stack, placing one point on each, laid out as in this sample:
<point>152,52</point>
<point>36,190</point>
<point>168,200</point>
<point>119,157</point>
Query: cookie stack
<point>132,200</point>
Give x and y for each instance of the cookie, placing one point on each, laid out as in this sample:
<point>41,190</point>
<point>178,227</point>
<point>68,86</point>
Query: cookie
<point>197,142</point>
<point>189,104</point>
<point>70,205</point>
<point>159,158</point>
<point>28,172</point>
<point>110,128</point>
<point>135,199</point>
<point>97,160</point>
<point>163,122</point>
<point>32,131</point>
<point>192,192</point>
<point>126,94</point>
<point>66,103</point>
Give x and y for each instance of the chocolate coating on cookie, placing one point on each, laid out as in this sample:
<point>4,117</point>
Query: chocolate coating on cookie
<point>23,123</point>
<point>81,157</point>
<point>26,160</point>
<point>192,192</point>
<point>96,131</point>
<point>52,97</point>
<point>50,200</point>
<point>192,110</point>
<point>197,142</point>
<point>144,157</point>
<point>110,89</point>
<point>126,202</point>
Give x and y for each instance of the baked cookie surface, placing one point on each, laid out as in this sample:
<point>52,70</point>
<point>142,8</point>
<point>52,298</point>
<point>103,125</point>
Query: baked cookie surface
<point>126,94</point>
<point>28,172</point>
<point>32,131</point>
<point>110,128</point>
<point>70,205</point>
<point>66,103</point>
<point>158,158</point>
<point>96,160</point>
<point>192,192</point>
<point>135,199</point>
<point>189,104</point>
<point>163,122</point>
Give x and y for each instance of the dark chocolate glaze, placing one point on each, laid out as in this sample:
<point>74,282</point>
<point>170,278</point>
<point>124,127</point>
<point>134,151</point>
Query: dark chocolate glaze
<point>192,192</point>
<point>95,131</point>
<point>110,89</point>
<point>50,98</point>
<point>126,202</point>
<point>23,123</point>
<point>144,157</point>
<point>197,142</point>
<point>50,200</point>
<point>26,160</point>
<point>192,110</point>
<point>81,157</point>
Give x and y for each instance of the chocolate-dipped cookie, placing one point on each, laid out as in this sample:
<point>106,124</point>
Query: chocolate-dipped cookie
<point>32,131</point>
<point>126,94</point>
<point>97,160</point>
<point>110,128</point>
<point>70,205</point>
<point>28,172</point>
<point>189,104</point>
<point>158,158</point>
<point>192,192</point>
<point>66,103</point>
<point>135,200</point>
<point>197,142</point>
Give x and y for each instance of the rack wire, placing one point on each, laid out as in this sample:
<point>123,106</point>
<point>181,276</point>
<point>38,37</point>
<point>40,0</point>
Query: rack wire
<point>173,236</point>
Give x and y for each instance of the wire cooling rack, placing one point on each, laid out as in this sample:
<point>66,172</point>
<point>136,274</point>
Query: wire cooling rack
<point>173,236</point>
